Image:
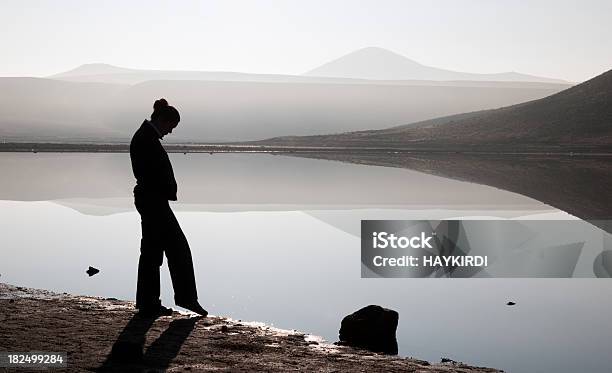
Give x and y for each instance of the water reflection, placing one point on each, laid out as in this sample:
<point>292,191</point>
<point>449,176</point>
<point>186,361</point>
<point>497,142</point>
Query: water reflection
<point>248,179</point>
<point>276,239</point>
<point>293,270</point>
<point>577,185</point>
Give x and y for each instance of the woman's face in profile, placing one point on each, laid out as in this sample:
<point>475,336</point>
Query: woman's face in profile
<point>167,127</point>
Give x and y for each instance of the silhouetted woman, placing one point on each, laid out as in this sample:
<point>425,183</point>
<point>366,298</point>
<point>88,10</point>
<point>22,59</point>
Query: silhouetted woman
<point>161,232</point>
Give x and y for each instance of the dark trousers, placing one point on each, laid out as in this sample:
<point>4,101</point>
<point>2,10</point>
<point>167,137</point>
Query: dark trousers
<point>161,233</point>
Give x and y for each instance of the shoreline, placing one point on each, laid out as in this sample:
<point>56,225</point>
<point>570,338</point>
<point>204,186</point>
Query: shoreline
<point>88,328</point>
<point>490,150</point>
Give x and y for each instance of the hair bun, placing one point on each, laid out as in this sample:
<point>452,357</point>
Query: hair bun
<point>159,104</point>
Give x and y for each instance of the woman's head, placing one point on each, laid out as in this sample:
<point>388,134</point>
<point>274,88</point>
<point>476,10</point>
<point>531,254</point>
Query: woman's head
<point>164,116</point>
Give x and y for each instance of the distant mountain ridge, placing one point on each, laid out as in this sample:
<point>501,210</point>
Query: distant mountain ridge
<point>105,73</point>
<point>364,66</point>
<point>578,116</point>
<point>381,64</point>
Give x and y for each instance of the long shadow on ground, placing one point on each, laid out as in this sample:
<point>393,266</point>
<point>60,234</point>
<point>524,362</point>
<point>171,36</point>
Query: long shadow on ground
<point>128,355</point>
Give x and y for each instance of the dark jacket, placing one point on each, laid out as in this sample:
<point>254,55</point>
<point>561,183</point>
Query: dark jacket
<point>151,165</point>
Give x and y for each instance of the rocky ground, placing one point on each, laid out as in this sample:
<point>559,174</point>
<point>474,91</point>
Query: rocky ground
<point>89,328</point>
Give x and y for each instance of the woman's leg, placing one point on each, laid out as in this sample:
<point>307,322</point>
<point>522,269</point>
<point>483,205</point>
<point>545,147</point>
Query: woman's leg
<point>151,254</point>
<point>180,262</point>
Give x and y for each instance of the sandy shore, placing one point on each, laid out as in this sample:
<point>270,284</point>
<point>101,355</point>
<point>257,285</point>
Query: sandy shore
<point>87,328</point>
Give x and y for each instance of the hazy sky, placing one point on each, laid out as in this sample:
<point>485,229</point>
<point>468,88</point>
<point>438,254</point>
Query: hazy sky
<point>571,40</point>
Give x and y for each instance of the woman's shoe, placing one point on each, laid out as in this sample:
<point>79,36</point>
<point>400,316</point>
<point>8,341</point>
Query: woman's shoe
<point>155,311</point>
<point>194,307</point>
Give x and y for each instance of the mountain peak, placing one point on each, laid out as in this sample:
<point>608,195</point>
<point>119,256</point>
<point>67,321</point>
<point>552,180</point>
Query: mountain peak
<point>377,63</point>
<point>382,54</point>
<point>367,63</point>
<point>92,69</point>
<point>378,51</point>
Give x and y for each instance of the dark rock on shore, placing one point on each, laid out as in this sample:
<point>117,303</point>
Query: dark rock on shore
<point>372,328</point>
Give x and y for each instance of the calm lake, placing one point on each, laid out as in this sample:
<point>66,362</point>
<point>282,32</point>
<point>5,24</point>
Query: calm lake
<point>276,239</point>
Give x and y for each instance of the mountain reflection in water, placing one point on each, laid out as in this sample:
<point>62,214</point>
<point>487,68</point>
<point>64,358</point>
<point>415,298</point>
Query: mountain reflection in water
<point>578,185</point>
